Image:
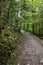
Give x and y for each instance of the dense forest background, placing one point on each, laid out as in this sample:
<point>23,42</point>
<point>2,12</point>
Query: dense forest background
<point>14,16</point>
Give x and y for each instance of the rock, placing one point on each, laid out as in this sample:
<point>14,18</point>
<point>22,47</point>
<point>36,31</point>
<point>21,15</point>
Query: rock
<point>10,37</point>
<point>28,64</point>
<point>22,31</point>
<point>8,27</point>
<point>41,61</point>
<point>15,38</point>
<point>18,64</point>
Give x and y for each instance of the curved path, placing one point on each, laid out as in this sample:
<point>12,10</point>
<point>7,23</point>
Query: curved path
<point>30,50</point>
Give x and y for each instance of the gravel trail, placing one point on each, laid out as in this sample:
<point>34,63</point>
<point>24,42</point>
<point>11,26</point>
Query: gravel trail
<point>30,50</point>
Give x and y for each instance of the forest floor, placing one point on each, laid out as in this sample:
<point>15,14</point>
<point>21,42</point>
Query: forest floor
<point>30,50</point>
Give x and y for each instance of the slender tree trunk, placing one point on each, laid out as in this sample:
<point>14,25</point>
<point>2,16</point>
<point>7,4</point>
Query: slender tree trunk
<point>0,8</point>
<point>33,28</point>
<point>7,19</point>
<point>0,15</point>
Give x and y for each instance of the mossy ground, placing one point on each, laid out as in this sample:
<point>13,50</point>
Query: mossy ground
<point>9,40</point>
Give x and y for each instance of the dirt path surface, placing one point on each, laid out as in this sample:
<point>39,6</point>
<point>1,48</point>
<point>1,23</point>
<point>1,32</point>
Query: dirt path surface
<point>30,50</point>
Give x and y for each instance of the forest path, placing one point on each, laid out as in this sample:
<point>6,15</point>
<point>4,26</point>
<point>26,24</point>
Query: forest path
<point>30,50</point>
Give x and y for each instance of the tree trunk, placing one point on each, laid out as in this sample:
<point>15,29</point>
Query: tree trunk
<point>0,7</point>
